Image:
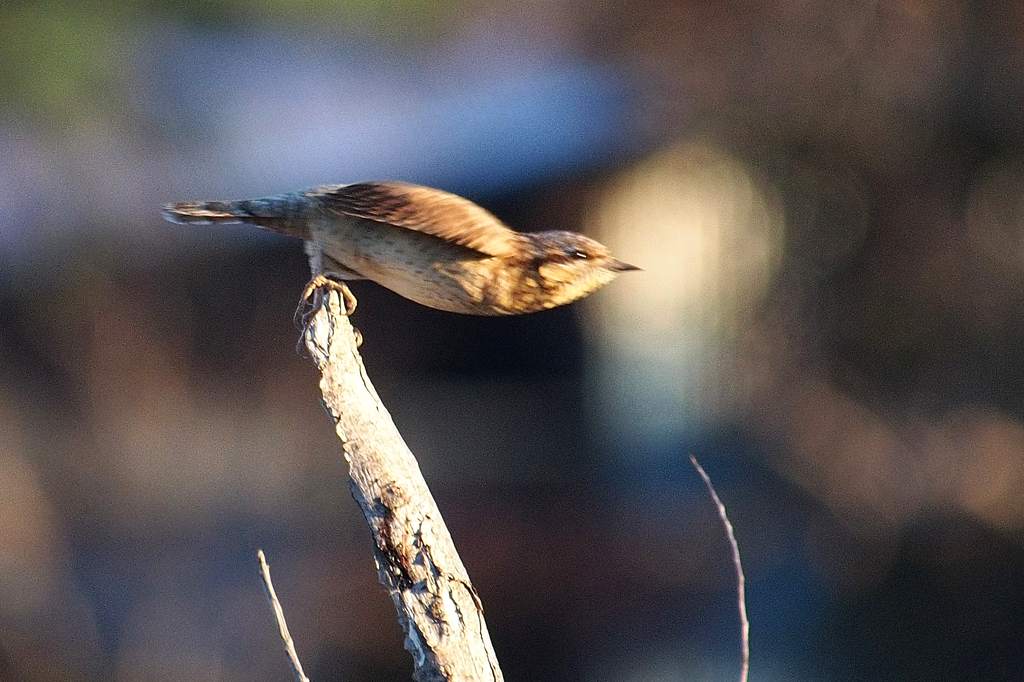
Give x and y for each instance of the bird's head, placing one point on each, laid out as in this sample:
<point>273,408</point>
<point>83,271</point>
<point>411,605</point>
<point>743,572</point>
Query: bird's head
<point>571,266</point>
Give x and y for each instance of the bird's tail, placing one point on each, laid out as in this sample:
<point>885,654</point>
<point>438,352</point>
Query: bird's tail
<point>284,214</point>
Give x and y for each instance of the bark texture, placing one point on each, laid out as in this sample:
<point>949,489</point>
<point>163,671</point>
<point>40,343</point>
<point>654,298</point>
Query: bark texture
<point>438,608</point>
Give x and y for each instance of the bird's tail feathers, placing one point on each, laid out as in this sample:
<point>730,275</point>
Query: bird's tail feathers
<point>204,213</point>
<point>282,214</point>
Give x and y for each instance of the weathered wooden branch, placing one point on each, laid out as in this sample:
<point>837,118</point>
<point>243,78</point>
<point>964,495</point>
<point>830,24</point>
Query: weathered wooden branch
<point>417,562</point>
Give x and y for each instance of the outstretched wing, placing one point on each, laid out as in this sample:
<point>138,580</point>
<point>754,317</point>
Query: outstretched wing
<point>423,209</point>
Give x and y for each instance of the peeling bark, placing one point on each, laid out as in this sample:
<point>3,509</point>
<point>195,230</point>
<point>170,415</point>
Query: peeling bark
<point>438,608</point>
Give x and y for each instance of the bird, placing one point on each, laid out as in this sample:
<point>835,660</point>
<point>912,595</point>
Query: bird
<point>428,245</point>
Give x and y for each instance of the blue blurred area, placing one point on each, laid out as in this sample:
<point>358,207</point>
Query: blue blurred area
<point>291,111</point>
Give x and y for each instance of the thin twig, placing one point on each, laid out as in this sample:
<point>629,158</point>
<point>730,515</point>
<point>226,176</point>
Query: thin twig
<point>741,596</point>
<point>282,626</point>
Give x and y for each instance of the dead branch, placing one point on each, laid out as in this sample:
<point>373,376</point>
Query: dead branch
<point>417,562</point>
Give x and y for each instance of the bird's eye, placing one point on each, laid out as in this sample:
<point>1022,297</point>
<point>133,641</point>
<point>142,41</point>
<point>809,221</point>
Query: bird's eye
<point>580,255</point>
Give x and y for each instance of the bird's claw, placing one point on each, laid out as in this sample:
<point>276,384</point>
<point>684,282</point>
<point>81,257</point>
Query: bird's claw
<point>309,302</point>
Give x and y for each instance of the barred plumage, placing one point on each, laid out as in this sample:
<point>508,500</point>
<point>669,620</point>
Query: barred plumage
<point>432,247</point>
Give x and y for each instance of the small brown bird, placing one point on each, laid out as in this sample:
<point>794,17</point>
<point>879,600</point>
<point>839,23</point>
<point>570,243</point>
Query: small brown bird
<point>427,245</point>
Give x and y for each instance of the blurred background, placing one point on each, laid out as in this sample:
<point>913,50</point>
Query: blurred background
<point>827,202</point>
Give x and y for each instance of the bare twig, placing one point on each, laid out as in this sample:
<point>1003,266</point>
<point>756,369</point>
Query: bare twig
<point>417,562</point>
<point>741,596</point>
<point>282,626</point>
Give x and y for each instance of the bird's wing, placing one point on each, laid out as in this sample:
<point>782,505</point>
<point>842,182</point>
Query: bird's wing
<point>423,209</point>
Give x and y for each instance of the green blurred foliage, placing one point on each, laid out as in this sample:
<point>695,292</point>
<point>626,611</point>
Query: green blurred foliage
<point>64,63</point>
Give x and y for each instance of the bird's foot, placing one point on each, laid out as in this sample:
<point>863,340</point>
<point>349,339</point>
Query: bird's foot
<point>312,299</point>
<point>309,302</point>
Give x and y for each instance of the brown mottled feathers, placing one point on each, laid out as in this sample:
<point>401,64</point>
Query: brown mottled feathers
<point>423,209</point>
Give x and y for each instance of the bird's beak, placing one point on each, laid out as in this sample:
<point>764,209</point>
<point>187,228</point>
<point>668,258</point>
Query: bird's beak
<point>620,266</point>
